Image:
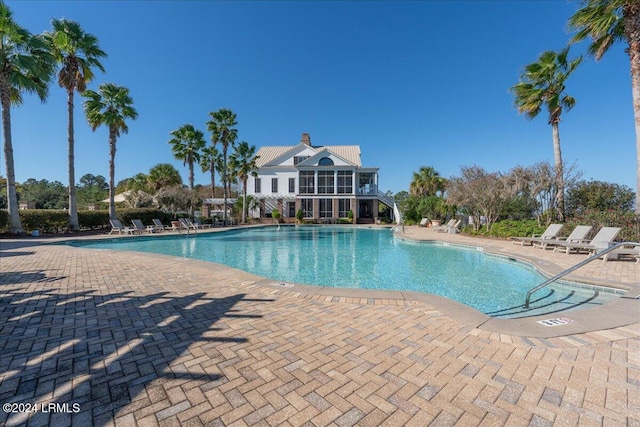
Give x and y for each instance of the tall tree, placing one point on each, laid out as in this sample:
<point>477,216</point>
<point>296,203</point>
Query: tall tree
<point>110,106</point>
<point>26,65</point>
<point>78,54</point>
<point>163,175</point>
<point>543,84</point>
<point>426,182</point>
<point>243,161</point>
<point>208,162</point>
<point>223,131</point>
<point>186,144</point>
<point>607,22</point>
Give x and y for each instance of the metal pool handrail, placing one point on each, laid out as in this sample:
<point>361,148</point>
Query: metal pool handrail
<point>575,267</point>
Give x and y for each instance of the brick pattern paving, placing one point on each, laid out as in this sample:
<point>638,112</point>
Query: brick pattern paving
<point>138,340</point>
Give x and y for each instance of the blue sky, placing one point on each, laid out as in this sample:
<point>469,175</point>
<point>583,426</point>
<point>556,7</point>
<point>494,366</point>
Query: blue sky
<point>413,83</point>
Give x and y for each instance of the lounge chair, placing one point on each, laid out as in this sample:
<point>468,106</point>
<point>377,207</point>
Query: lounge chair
<point>117,225</point>
<point>550,233</point>
<point>186,223</point>
<point>620,252</point>
<point>158,224</point>
<point>424,222</point>
<point>199,224</point>
<point>602,240</point>
<point>451,227</point>
<point>139,226</point>
<point>578,235</point>
<point>444,227</point>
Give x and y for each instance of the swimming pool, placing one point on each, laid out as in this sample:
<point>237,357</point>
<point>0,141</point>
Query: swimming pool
<point>350,257</point>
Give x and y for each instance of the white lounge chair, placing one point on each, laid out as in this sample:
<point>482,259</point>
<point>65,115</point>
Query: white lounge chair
<point>578,235</point>
<point>444,227</point>
<point>451,227</point>
<point>186,223</point>
<point>550,233</point>
<point>424,222</point>
<point>139,226</point>
<point>622,252</point>
<point>199,224</point>
<point>116,225</point>
<point>602,240</point>
<point>158,224</point>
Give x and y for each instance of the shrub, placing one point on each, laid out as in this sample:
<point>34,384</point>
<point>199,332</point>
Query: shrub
<point>4,220</point>
<point>629,221</point>
<point>45,220</point>
<point>93,219</point>
<point>508,228</point>
<point>299,215</point>
<point>145,214</point>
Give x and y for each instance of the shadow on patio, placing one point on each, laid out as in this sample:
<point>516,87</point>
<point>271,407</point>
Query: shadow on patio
<point>100,351</point>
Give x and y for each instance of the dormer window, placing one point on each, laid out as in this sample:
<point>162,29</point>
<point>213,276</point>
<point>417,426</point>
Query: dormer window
<point>325,161</point>
<point>299,159</point>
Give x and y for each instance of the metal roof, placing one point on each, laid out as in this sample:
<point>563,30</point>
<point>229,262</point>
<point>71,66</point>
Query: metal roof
<point>351,153</point>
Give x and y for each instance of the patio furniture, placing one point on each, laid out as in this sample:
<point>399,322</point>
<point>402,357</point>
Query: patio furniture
<point>139,226</point>
<point>186,223</point>
<point>117,225</point>
<point>600,241</point>
<point>617,254</point>
<point>198,223</point>
<point>578,235</point>
<point>158,224</point>
<point>550,233</point>
<point>444,227</point>
<point>424,222</point>
<point>451,227</point>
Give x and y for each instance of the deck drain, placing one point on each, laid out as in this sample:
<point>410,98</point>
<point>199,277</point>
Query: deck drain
<point>283,285</point>
<point>558,321</point>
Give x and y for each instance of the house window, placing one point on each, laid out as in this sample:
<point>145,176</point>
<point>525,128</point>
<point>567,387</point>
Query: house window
<point>307,183</point>
<point>344,206</point>
<point>307,207</point>
<point>325,161</point>
<point>326,208</point>
<point>345,182</point>
<point>325,182</point>
<point>274,185</point>
<point>292,185</point>
<point>258,185</point>
<point>299,159</point>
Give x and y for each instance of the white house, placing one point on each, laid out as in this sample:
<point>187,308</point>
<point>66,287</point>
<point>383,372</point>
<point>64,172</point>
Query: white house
<point>325,182</point>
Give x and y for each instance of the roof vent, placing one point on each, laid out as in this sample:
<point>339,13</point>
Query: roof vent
<point>305,139</point>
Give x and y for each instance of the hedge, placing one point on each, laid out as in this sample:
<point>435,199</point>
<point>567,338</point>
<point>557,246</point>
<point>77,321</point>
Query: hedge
<point>4,220</point>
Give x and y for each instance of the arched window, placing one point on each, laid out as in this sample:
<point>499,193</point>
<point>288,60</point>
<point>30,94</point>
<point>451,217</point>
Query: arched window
<point>325,161</point>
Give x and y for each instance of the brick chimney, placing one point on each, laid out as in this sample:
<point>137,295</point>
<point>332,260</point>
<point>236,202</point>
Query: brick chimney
<point>305,139</point>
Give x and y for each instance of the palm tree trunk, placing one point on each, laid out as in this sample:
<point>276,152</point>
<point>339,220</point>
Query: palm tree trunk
<point>15,227</point>
<point>73,208</point>
<point>244,201</point>
<point>112,173</point>
<point>191,175</point>
<point>631,15</point>
<point>225,178</point>
<point>213,181</point>
<point>557,155</point>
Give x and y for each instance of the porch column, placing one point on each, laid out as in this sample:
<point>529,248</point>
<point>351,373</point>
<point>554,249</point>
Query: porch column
<point>316,208</point>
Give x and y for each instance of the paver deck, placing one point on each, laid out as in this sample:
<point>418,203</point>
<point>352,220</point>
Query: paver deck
<point>139,339</point>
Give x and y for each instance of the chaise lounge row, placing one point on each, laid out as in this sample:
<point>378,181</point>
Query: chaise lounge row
<point>577,241</point>
<point>157,226</point>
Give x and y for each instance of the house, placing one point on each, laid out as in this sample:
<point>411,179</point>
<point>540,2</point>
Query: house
<point>324,182</point>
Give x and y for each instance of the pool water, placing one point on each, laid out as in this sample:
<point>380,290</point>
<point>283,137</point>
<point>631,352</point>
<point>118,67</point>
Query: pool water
<point>349,257</point>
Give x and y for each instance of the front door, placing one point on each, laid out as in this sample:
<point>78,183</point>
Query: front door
<point>366,209</point>
<point>291,209</point>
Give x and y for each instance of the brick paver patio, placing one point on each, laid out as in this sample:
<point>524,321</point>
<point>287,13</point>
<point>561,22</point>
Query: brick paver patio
<point>143,340</point>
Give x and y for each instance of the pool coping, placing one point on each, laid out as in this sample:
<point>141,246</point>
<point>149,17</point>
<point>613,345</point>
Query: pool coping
<point>622,311</point>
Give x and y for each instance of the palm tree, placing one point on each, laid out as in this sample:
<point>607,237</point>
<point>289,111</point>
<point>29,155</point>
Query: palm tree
<point>186,145</point>
<point>77,52</point>
<point>222,130</point>
<point>163,175</point>
<point>607,22</point>
<point>208,162</point>
<point>426,182</point>
<point>26,65</point>
<point>110,106</point>
<point>543,83</point>
<point>243,161</point>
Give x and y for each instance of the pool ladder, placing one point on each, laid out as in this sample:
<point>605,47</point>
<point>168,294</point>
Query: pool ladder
<point>575,267</point>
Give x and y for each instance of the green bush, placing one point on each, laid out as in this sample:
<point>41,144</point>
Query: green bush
<point>629,221</point>
<point>93,219</point>
<point>4,221</point>
<point>145,214</point>
<point>45,220</point>
<point>508,228</point>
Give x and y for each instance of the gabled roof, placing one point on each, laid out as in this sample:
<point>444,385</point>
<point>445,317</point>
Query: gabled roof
<point>325,152</point>
<point>271,155</point>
